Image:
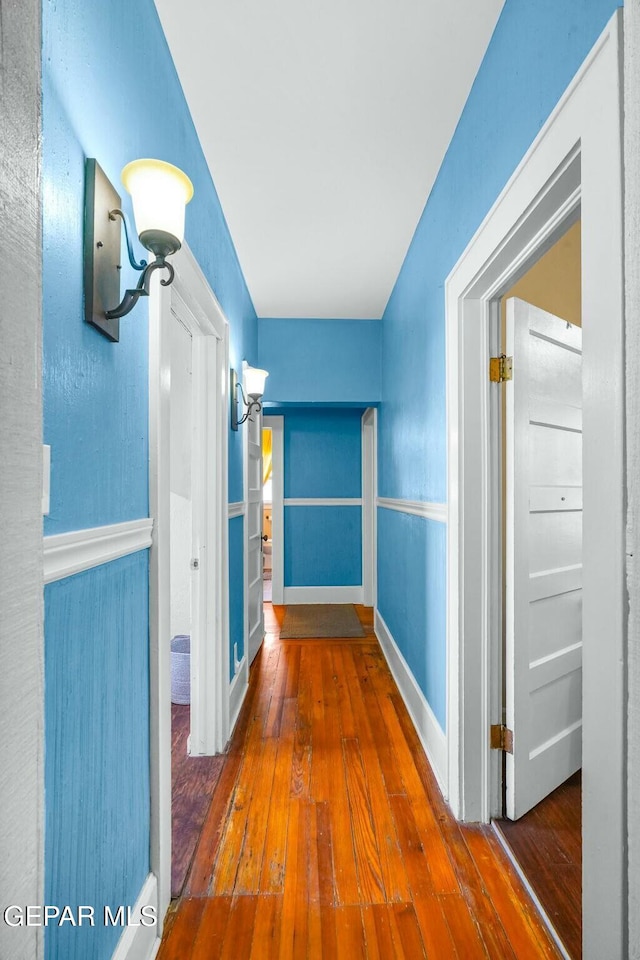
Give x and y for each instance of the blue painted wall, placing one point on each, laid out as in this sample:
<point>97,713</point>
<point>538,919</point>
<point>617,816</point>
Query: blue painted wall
<point>536,49</point>
<point>95,392</point>
<point>322,459</point>
<point>411,587</point>
<point>322,453</point>
<point>96,75</point>
<point>97,748</point>
<point>321,361</point>
<point>322,546</point>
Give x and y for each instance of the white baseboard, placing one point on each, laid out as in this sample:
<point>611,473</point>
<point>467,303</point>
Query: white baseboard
<point>431,735</point>
<point>237,692</point>
<point>139,942</point>
<point>323,501</point>
<point>322,595</point>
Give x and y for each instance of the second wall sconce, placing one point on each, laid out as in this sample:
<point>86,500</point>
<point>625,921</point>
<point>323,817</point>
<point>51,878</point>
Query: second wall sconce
<point>254,380</point>
<point>160,193</point>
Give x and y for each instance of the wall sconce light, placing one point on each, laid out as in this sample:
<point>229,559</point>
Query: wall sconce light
<point>254,381</point>
<point>160,193</point>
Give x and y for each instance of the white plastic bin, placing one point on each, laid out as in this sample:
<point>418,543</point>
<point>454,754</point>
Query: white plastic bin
<point>181,668</point>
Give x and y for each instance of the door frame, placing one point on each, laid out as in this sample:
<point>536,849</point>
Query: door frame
<point>210,709</point>
<point>369,509</point>
<point>246,536</point>
<point>276,425</point>
<point>575,161</point>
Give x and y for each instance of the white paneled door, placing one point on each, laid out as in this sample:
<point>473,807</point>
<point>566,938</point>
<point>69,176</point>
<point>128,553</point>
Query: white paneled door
<point>253,535</point>
<point>543,573</point>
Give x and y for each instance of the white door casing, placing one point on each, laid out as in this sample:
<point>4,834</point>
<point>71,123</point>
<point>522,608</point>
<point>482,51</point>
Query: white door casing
<point>575,161</point>
<point>632,357</point>
<point>254,614</point>
<point>190,295</point>
<point>276,424</point>
<point>543,568</point>
<point>369,509</point>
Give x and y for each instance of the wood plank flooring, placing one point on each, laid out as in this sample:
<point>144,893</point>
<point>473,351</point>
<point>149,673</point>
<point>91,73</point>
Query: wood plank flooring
<point>193,781</point>
<point>327,836</point>
<point>547,843</point>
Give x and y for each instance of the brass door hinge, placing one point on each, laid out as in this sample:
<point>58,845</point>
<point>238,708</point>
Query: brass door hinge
<point>501,738</point>
<point>500,368</point>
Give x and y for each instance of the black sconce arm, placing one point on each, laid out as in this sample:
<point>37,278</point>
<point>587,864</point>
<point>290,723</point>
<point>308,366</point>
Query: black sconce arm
<point>253,404</point>
<point>132,260</point>
<point>131,297</point>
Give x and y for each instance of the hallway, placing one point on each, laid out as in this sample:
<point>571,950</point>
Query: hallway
<point>327,835</point>
<point>355,187</point>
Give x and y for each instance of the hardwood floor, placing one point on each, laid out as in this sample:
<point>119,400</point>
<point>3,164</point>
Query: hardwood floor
<point>547,843</point>
<point>193,781</point>
<point>327,836</point>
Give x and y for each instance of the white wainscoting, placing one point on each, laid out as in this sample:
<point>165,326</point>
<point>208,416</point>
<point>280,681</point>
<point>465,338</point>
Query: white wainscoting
<point>140,942</point>
<point>323,594</point>
<point>236,509</point>
<point>352,594</point>
<point>431,735</point>
<point>66,554</point>
<point>417,508</point>
<point>323,501</point>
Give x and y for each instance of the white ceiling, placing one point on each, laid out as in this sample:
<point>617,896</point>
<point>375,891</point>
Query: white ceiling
<point>324,123</point>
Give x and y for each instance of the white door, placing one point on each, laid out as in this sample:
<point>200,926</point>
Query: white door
<point>543,575</point>
<point>369,510</point>
<point>253,533</point>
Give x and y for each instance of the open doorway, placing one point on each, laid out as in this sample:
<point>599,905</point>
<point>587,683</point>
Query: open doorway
<point>193,778</point>
<point>541,453</point>
<point>189,581</point>
<point>273,507</point>
<point>573,163</point>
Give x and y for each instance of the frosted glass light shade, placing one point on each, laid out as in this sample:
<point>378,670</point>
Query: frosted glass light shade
<point>254,380</point>
<point>160,193</point>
